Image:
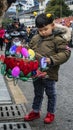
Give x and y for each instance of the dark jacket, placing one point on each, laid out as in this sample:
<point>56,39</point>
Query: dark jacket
<point>11,28</point>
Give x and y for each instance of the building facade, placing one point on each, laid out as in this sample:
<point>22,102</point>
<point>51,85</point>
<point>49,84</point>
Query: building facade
<point>36,2</point>
<point>69,3</point>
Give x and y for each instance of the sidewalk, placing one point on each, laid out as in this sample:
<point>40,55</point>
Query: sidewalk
<point>11,112</point>
<point>4,93</point>
<point>9,91</point>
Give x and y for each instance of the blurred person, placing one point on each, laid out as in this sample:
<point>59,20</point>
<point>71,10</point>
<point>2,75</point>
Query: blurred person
<point>71,28</point>
<point>28,35</point>
<point>2,33</point>
<point>15,26</point>
<point>4,5</point>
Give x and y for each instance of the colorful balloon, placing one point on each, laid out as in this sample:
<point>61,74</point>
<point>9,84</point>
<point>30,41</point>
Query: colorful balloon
<point>9,76</point>
<point>3,69</point>
<point>31,54</point>
<point>21,74</point>
<point>24,52</point>
<point>13,49</point>
<point>9,71</point>
<point>15,71</point>
<point>18,49</point>
<point>24,78</point>
<point>35,13</point>
<point>43,63</point>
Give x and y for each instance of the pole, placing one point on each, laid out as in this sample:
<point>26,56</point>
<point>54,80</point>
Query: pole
<point>60,8</point>
<point>17,12</point>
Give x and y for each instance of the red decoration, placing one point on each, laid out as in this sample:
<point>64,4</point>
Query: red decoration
<point>2,57</point>
<point>25,66</point>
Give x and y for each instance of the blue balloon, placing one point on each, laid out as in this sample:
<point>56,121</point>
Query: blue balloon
<point>13,49</point>
<point>43,63</point>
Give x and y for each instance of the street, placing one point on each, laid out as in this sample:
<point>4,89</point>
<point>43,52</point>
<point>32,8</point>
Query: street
<point>64,108</point>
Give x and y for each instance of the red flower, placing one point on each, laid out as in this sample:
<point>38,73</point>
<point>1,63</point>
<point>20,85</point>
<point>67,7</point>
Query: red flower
<point>25,66</point>
<point>36,65</point>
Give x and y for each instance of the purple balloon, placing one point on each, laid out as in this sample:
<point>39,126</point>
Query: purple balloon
<point>13,49</point>
<point>43,63</point>
<point>15,71</point>
<point>24,52</point>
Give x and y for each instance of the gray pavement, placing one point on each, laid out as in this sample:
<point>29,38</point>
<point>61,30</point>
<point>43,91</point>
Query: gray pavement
<point>4,93</point>
<point>5,97</point>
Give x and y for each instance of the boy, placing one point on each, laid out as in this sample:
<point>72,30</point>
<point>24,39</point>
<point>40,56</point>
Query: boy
<point>54,48</point>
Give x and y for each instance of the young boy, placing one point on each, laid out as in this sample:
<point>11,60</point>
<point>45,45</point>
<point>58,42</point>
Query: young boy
<point>55,48</point>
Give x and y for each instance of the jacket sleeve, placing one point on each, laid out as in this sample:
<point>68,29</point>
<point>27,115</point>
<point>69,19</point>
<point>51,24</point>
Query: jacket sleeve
<point>63,52</point>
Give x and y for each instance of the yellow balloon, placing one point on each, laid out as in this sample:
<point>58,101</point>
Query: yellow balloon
<point>35,13</point>
<point>31,53</point>
<point>48,15</point>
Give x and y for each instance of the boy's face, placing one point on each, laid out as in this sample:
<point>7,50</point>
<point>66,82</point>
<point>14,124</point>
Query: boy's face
<point>46,30</point>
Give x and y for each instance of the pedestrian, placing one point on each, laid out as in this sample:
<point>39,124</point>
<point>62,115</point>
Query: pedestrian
<point>2,33</point>
<point>28,35</point>
<point>56,52</point>
<point>15,26</point>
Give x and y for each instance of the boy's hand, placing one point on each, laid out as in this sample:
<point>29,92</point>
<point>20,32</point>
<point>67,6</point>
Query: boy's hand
<point>48,60</point>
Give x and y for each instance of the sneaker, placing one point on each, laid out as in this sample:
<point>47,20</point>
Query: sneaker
<point>32,116</point>
<point>49,118</point>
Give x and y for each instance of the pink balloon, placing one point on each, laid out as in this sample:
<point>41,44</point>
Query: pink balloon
<point>15,71</point>
<point>24,52</point>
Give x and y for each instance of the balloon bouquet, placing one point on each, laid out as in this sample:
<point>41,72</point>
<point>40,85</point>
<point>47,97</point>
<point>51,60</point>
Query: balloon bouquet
<point>21,64</point>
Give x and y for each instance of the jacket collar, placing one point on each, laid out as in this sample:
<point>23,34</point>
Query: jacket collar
<point>46,38</point>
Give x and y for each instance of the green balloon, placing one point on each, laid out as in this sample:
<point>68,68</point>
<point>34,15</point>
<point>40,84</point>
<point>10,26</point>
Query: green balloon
<point>7,53</point>
<point>21,74</point>
<point>0,62</point>
<point>29,75</point>
<point>20,56</point>
<point>3,69</point>
<point>9,76</point>
<point>9,71</point>
<point>24,78</point>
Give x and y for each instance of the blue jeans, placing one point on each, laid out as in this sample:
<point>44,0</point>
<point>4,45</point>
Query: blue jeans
<point>41,85</point>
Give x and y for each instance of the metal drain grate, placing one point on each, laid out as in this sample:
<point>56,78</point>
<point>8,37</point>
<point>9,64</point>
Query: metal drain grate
<point>15,126</point>
<point>12,112</point>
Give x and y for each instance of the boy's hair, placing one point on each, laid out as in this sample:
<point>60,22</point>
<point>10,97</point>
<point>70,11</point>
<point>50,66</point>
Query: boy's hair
<point>43,19</point>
